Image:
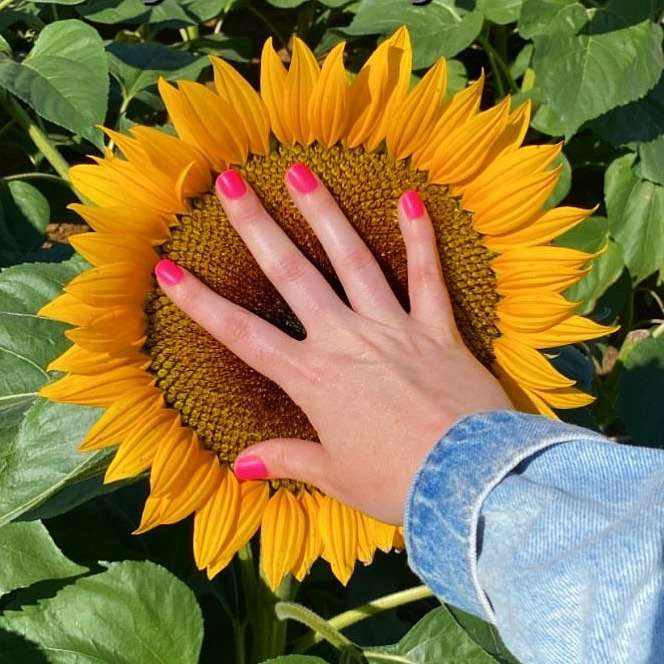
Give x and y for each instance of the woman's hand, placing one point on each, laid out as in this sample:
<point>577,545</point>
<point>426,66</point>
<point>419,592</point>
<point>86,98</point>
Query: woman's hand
<point>380,386</point>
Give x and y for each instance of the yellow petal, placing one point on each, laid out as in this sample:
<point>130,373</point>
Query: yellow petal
<point>300,83</point>
<point>461,108</point>
<point>572,330</point>
<point>386,74</point>
<point>214,521</point>
<point>112,285</point>
<point>144,223</point>
<point>69,309</point>
<point>215,118</point>
<point>97,390</point>
<point>175,462</point>
<point>461,154</point>
<point>254,497</point>
<point>122,416</point>
<point>399,542</point>
<point>569,397</point>
<point>382,533</point>
<point>328,106</point>
<point>137,450</point>
<point>541,229</point>
<point>282,536</point>
<point>514,132</point>
<point>188,125</point>
<point>78,360</point>
<point>313,546</point>
<point>412,121</point>
<point>534,311</point>
<point>366,544</point>
<point>512,203</point>
<point>527,366</point>
<point>246,103</point>
<point>102,248</point>
<point>273,85</point>
<point>338,529</point>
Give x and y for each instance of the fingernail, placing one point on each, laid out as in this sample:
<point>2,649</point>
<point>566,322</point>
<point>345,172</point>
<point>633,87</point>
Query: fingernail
<point>412,204</point>
<point>231,184</point>
<point>168,273</point>
<point>301,178</point>
<point>250,467</point>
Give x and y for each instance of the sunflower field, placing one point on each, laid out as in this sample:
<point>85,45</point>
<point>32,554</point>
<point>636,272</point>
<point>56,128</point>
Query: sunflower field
<point>534,130</point>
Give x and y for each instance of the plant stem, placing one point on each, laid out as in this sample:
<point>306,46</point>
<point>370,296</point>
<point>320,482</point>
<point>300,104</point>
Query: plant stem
<point>270,628</point>
<point>40,139</point>
<point>353,616</point>
<point>498,66</point>
<point>37,176</point>
<point>248,575</point>
<point>319,626</point>
<point>384,657</point>
<point>271,27</point>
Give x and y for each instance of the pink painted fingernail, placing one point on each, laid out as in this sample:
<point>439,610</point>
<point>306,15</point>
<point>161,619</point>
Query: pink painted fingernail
<point>301,178</point>
<point>250,467</point>
<point>231,184</point>
<point>168,273</point>
<point>412,204</point>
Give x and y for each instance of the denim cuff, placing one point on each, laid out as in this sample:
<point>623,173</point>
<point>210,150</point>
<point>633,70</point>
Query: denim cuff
<point>446,496</point>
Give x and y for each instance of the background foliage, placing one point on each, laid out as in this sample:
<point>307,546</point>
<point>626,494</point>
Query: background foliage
<point>593,70</point>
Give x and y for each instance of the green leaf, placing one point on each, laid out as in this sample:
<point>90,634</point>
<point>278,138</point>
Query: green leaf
<point>286,4</point>
<point>437,29</point>
<point>24,215</point>
<point>641,389</point>
<point>500,11</point>
<point>29,555</point>
<point>590,60</point>
<point>636,217</point>
<point>133,612</point>
<point>38,439</point>
<point>436,639</point>
<point>57,2</point>
<point>169,13</point>
<point>138,66</point>
<point>64,78</point>
<point>590,235</point>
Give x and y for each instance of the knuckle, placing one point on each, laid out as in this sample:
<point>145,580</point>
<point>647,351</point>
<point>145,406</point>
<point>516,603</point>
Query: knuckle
<point>425,273</point>
<point>248,212</point>
<point>289,268</point>
<point>358,258</point>
<point>235,327</point>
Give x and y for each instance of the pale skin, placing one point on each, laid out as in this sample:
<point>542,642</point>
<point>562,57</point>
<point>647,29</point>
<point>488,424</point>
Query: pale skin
<point>381,385</point>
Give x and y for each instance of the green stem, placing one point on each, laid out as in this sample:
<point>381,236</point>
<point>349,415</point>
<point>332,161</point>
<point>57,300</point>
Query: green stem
<point>498,66</point>
<point>318,625</point>
<point>37,176</point>
<point>270,629</point>
<point>271,27</point>
<point>384,657</point>
<point>248,574</point>
<point>40,139</point>
<point>353,616</point>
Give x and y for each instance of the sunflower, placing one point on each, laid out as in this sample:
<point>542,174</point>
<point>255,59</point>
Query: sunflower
<point>180,404</point>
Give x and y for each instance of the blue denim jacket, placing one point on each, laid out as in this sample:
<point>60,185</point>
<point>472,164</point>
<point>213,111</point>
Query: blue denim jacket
<point>550,531</point>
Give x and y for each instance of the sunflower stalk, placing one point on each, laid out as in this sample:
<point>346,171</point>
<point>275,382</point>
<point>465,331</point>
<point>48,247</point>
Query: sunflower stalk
<point>50,152</point>
<point>348,618</point>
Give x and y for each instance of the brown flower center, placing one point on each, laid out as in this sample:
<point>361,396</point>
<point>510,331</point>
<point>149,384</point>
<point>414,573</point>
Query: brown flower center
<point>227,403</point>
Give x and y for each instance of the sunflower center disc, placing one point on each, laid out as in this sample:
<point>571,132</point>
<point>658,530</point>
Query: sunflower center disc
<point>227,403</point>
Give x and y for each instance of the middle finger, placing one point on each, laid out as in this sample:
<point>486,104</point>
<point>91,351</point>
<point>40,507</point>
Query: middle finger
<point>303,287</point>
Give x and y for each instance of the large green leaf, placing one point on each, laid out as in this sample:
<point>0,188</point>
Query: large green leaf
<point>500,11</point>
<point>438,29</point>
<point>29,555</point>
<point>64,78</point>
<point>133,612</point>
<point>641,389</point>
<point>437,639</point>
<point>168,12</point>
<point>38,439</point>
<point>636,217</point>
<point>590,60</point>
<point>138,66</point>
<point>24,215</point>
<point>295,659</point>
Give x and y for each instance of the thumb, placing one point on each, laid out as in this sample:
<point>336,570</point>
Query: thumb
<point>283,458</point>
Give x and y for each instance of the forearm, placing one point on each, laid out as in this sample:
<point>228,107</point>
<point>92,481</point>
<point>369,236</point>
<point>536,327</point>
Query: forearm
<point>550,531</point>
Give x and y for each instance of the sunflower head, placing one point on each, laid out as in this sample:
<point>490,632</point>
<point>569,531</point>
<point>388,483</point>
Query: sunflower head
<point>179,403</point>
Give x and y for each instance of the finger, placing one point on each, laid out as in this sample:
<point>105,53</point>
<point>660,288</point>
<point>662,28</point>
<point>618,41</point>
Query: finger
<point>355,265</point>
<point>299,282</point>
<point>284,458</point>
<point>429,299</point>
<point>255,341</point>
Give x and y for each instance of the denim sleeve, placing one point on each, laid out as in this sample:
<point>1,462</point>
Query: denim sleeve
<point>550,531</point>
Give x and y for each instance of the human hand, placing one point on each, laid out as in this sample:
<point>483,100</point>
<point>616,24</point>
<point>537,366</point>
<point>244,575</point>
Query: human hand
<point>380,386</point>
